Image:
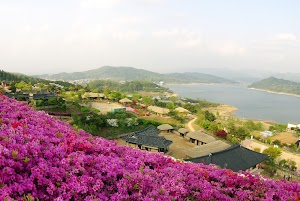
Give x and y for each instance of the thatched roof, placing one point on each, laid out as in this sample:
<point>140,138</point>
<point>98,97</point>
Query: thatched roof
<point>182,110</point>
<point>183,130</point>
<point>92,95</point>
<point>164,127</point>
<point>125,100</point>
<point>206,149</point>
<point>197,135</point>
<point>158,110</point>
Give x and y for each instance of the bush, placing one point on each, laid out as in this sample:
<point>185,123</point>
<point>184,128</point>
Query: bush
<point>221,134</point>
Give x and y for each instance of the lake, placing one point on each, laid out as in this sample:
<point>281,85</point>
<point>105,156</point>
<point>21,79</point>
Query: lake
<point>251,103</point>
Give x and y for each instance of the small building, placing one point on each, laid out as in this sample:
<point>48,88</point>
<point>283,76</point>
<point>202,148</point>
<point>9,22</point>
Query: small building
<point>159,110</point>
<point>182,132</point>
<point>93,96</point>
<point>235,158</point>
<point>45,96</point>
<point>199,138</point>
<point>182,110</point>
<point>148,139</point>
<point>18,96</point>
<point>266,134</point>
<point>125,101</point>
<point>165,128</point>
<point>118,110</point>
<point>206,149</point>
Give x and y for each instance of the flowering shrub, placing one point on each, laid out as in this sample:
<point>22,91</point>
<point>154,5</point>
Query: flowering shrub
<point>221,133</point>
<point>43,158</point>
<point>112,122</point>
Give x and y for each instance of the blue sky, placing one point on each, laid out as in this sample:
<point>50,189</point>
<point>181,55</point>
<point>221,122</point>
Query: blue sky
<point>39,36</point>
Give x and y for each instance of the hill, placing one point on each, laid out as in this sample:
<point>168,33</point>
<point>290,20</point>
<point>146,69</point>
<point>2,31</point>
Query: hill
<point>129,86</point>
<point>43,158</point>
<point>16,77</point>
<point>277,85</point>
<point>130,74</point>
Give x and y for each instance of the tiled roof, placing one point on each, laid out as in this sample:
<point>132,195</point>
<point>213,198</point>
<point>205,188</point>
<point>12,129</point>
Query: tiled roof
<point>235,158</point>
<point>148,136</point>
<point>201,136</point>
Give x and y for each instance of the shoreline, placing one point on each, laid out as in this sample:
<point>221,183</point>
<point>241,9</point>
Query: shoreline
<point>200,83</point>
<point>275,92</point>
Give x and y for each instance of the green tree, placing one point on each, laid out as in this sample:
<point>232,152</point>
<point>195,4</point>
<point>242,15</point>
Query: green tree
<point>242,133</point>
<point>136,97</point>
<point>170,105</point>
<point>205,124</point>
<point>273,153</point>
<point>147,100</point>
<point>213,127</point>
<point>209,116</point>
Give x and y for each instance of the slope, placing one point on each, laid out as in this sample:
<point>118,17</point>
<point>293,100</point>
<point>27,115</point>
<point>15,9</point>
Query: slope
<point>277,85</point>
<point>130,74</point>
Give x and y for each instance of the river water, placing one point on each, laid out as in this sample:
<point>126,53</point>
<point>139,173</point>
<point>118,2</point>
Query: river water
<point>251,103</point>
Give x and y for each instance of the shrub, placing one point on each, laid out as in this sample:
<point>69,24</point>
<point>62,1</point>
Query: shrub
<point>221,134</point>
<point>45,159</point>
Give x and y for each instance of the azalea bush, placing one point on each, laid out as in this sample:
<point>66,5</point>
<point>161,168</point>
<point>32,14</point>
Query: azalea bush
<point>42,158</point>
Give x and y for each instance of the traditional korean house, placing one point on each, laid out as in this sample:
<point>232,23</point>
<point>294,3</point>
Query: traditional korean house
<point>148,139</point>
<point>235,158</point>
<point>182,132</point>
<point>165,128</point>
<point>199,138</point>
<point>93,96</point>
<point>125,101</point>
<point>44,96</point>
<point>206,149</point>
<point>182,111</point>
<point>159,110</point>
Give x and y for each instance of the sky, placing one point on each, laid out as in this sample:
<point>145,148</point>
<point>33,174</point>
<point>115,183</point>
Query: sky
<point>40,36</point>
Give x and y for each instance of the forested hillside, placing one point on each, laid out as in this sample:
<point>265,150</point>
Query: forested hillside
<point>277,85</point>
<point>5,76</point>
<point>131,74</point>
<point>131,86</point>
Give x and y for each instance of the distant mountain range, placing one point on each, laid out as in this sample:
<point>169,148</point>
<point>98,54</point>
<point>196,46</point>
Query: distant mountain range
<point>248,76</point>
<point>277,85</point>
<point>130,74</point>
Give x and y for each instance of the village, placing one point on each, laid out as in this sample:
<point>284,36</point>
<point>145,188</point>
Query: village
<point>179,127</point>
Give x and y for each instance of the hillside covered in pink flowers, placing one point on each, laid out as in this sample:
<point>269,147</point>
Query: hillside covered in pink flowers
<point>42,158</point>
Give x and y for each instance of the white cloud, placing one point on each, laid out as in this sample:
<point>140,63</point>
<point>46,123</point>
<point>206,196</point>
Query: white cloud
<point>44,28</point>
<point>285,37</point>
<point>228,49</point>
<point>180,38</point>
<point>126,35</point>
<point>99,3</point>
<point>129,20</point>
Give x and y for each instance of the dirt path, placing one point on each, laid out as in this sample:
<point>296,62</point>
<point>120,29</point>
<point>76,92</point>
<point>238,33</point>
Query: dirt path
<point>189,125</point>
<point>251,144</point>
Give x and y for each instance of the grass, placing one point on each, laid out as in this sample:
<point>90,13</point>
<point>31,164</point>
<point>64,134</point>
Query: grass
<point>162,119</point>
<point>286,137</point>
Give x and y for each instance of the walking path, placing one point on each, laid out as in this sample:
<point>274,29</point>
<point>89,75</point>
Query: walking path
<point>189,125</point>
